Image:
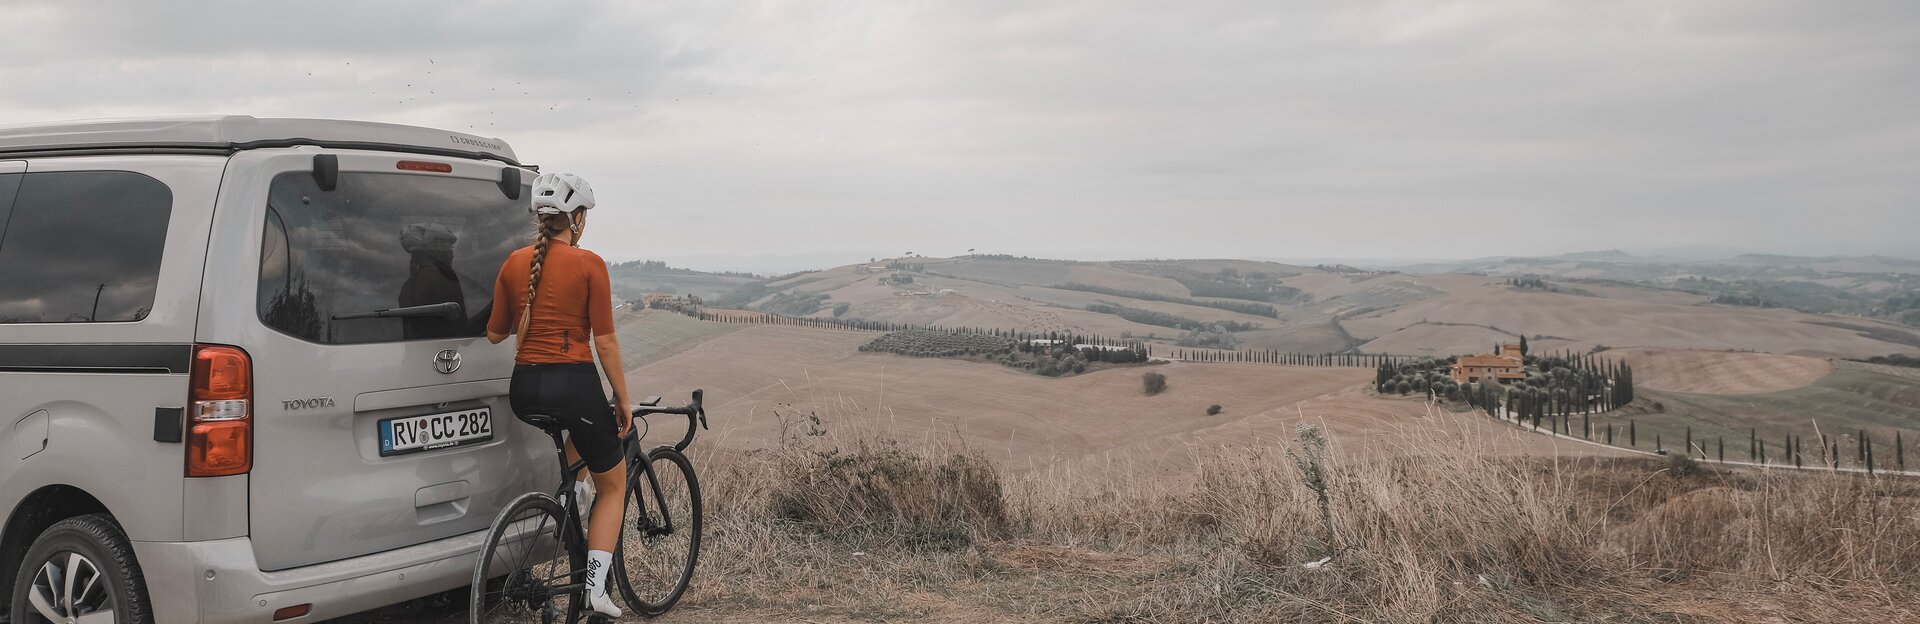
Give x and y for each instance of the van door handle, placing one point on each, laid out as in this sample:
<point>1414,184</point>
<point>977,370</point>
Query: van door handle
<point>443,493</point>
<point>439,503</point>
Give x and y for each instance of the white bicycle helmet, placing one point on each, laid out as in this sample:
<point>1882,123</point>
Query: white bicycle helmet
<point>558,193</point>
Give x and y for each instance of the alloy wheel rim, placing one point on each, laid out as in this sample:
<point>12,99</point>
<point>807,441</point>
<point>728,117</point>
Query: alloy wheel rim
<point>69,589</point>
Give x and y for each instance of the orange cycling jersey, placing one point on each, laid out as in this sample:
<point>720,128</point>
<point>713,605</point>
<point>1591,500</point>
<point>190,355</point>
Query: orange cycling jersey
<point>573,304</point>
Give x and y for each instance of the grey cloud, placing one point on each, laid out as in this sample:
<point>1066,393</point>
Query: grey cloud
<point>1231,128</point>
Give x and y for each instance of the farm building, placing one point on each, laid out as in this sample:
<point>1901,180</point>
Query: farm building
<point>1506,366</point>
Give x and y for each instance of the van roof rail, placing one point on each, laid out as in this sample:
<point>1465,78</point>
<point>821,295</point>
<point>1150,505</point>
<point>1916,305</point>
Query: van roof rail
<point>227,134</point>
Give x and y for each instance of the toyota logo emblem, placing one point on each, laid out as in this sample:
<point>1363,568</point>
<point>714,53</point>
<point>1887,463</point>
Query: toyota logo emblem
<point>447,361</point>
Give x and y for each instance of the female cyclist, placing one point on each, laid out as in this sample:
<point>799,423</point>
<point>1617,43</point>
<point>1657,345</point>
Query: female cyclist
<point>565,300</point>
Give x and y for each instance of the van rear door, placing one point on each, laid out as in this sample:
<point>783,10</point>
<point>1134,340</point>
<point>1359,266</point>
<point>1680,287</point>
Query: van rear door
<point>362,295</point>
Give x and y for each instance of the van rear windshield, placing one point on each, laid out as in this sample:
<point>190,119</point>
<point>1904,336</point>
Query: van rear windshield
<point>381,241</point>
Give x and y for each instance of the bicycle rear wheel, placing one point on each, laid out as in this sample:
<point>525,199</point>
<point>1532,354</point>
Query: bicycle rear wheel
<point>530,566</point>
<point>660,537</point>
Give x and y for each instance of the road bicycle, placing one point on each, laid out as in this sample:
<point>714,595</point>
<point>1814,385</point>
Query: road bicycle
<point>533,565</point>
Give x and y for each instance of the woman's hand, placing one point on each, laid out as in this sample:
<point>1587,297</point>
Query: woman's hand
<point>623,412</point>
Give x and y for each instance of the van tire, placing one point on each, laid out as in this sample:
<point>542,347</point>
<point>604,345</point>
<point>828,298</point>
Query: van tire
<point>98,539</point>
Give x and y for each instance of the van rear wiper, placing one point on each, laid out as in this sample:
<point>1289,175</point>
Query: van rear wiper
<point>447,309</point>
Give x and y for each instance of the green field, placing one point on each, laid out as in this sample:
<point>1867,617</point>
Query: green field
<point>1855,396</point>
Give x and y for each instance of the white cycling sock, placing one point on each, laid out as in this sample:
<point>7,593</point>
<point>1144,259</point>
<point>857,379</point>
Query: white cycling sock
<point>597,563</point>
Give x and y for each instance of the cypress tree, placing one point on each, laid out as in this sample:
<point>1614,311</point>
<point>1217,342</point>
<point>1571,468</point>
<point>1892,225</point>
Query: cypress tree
<point>1867,443</point>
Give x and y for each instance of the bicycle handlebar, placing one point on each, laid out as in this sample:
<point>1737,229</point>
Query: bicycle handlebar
<point>693,411</point>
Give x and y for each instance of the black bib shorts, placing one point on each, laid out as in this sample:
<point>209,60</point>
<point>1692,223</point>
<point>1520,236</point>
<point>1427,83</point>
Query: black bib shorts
<point>571,394</point>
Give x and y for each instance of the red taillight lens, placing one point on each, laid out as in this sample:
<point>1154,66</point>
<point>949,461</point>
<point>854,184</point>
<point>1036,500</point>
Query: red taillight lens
<point>218,449</point>
<point>220,421</point>
<point>221,373</point>
<point>421,165</point>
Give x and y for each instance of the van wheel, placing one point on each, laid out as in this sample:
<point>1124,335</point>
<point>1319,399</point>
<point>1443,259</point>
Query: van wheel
<point>80,571</point>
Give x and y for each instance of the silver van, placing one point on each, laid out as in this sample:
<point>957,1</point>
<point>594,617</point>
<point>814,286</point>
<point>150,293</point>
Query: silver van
<point>242,372</point>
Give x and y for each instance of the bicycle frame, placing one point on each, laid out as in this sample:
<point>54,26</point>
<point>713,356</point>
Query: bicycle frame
<point>630,449</point>
<point>694,412</point>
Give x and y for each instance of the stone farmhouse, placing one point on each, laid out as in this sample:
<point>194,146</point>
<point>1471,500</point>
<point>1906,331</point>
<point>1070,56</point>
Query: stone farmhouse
<point>1505,367</point>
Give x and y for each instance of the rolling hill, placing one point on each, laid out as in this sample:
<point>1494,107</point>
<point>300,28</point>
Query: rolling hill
<point>1318,309</point>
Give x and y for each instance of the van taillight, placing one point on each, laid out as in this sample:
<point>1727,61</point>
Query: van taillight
<point>220,418</point>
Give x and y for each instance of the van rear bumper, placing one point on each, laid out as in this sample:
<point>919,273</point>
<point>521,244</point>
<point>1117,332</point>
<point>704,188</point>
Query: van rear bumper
<point>218,581</point>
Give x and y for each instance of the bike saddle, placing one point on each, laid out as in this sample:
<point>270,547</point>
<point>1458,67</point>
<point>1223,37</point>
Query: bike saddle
<point>543,421</point>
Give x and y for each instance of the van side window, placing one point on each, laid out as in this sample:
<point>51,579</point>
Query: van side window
<point>82,246</point>
<point>380,241</point>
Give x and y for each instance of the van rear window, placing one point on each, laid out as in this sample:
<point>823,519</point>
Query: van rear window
<point>383,241</point>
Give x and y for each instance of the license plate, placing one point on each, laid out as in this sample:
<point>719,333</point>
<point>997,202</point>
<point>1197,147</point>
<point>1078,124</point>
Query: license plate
<point>413,434</point>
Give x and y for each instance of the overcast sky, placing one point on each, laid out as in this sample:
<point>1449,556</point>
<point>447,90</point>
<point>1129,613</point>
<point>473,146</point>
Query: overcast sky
<point>781,135</point>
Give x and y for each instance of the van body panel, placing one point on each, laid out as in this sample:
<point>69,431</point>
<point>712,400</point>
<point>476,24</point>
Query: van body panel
<point>99,383</point>
<point>321,490</point>
<point>216,508</point>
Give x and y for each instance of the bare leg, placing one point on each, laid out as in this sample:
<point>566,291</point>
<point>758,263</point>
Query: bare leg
<point>573,457</point>
<point>603,531</point>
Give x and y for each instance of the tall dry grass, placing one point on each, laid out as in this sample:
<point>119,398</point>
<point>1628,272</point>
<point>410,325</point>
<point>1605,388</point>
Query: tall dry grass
<point>1436,527</point>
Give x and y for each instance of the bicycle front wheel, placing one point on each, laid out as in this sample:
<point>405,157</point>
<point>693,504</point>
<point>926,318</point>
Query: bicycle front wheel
<point>530,567</point>
<point>660,536</point>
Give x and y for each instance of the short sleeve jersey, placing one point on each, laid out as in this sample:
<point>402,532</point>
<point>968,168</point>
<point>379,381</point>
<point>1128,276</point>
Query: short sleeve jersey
<point>573,304</point>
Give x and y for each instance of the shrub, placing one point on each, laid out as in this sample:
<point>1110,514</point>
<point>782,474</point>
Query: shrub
<point>1155,383</point>
<point>876,491</point>
<point>1213,410</point>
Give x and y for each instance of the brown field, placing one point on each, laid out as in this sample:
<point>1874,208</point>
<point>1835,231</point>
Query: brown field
<point>764,381</point>
<point>846,487</point>
<point>1720,372</point>
<point>1435,340</point>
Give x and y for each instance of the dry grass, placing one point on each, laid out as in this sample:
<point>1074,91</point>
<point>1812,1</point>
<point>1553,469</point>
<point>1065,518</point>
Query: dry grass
<point>839,526</point>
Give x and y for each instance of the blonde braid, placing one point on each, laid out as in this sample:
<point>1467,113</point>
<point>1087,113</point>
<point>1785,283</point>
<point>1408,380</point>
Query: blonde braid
<point>548,226</point>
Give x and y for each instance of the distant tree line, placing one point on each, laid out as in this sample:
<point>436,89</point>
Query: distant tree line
<point>1256,309</point>
<point>658,267</point>
<point>1534,282</point>
<point>1208,340</point>
<point>740,297</point>
<point>1894,360</point>
<point>795,303</point>
<point>1048,357</point>
<point>1231,284</point>
<point>1162,319</point>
